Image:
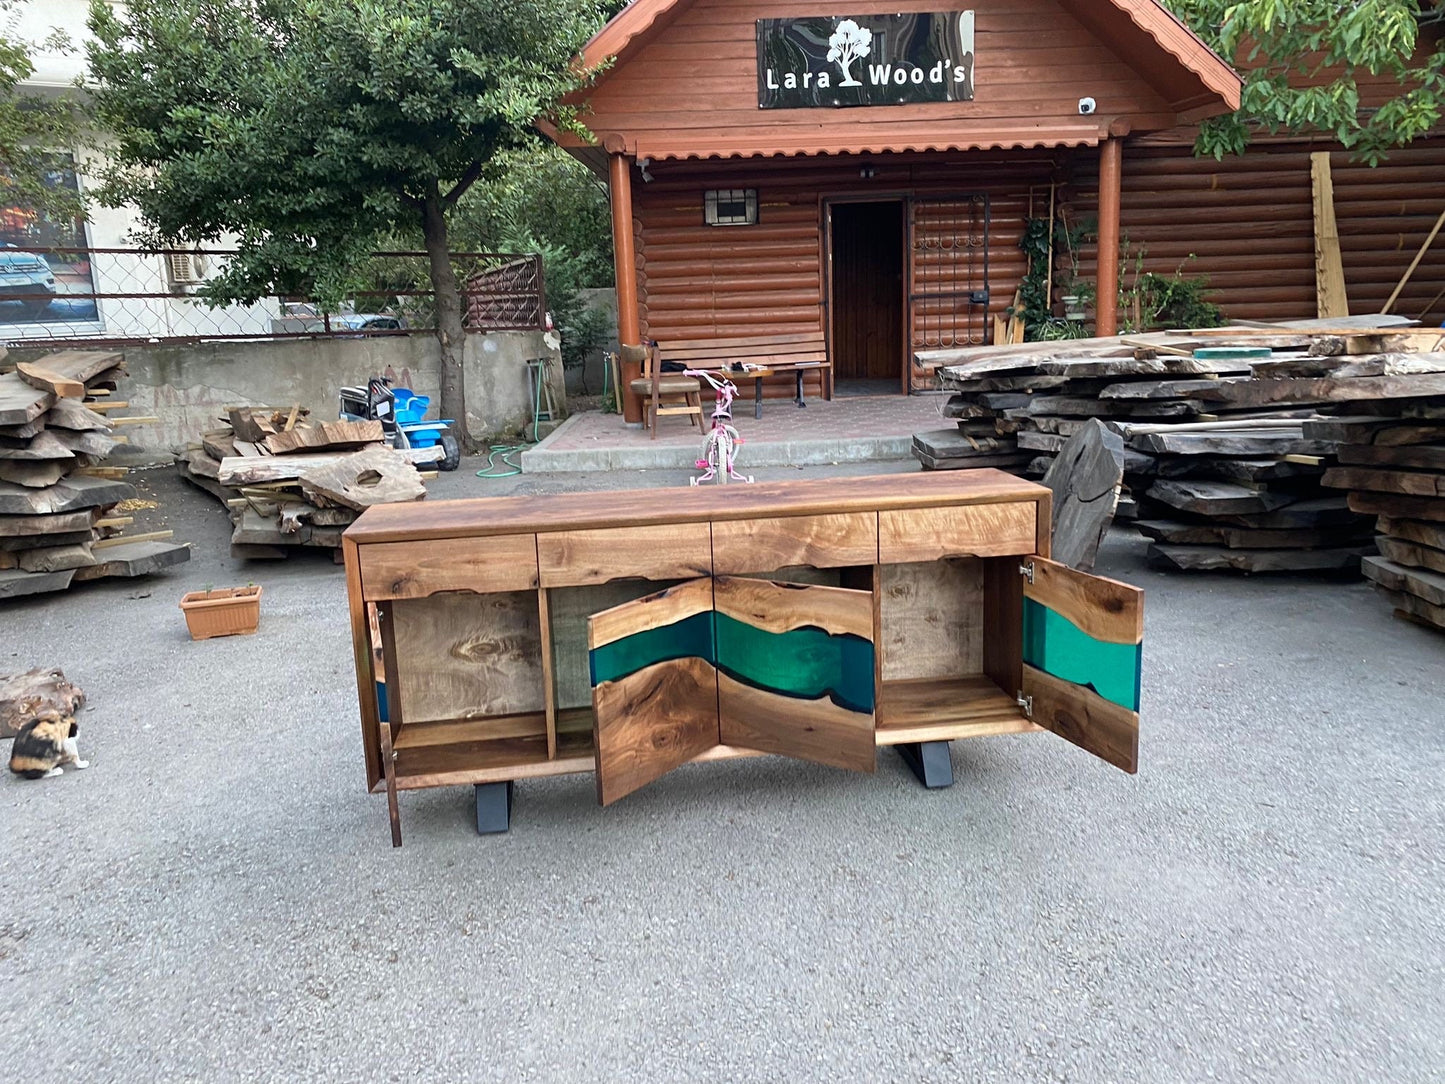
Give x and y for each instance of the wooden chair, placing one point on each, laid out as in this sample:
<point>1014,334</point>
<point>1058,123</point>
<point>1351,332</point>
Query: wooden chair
<point>670,394</point>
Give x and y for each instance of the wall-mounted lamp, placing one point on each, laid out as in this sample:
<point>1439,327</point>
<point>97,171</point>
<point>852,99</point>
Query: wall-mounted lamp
<point>642,164</point>
<point>866,171</point>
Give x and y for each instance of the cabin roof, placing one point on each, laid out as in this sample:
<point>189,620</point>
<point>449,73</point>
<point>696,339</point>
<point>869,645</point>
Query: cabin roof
<point>1192,81</point>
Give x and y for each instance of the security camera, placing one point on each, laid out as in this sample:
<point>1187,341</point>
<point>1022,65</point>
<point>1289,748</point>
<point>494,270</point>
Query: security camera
<point>1087,106</point>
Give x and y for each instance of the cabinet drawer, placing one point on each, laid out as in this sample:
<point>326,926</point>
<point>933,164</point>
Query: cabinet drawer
<point>669,552</point>
<point>973,530</point>
<point>417,569</point>
<point>761,545</point>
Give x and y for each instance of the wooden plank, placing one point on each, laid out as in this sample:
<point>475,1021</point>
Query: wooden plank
<point>1256,393</point>
<point>1419,456</point>
<point>931,619</point>
<point>467,656</point>
<point>253,470</point>
<point>134,559</point>
<point>42,446</point>
<point>135,419</point>
<point>362,479</point>
<point>1421,583</point>
<point>1415,483</point>
<point>652,721</point>
<point>1412,554</point>
<point>81,365</point>
<point>43,474</point>
<point>414,570</point>
<point>1427,534</point>
<point>623,508</point>
<point>1085,480</point>
<point>1214,498</point>
<point>764,545</point>
<point>325,434</point>
<point>1420,255</point>
<point>56,558</point>
<point>1092,723</point>
<point>1331,300</point>
<point>94,444</point>
<point>38,376</point>
<point>16,583</point>
<point>1194,558</point>
<point>1258,442</point>
<point>1353,367</point>
<point>56,523</point>
<point>1223,534</point>
<point>68,414</point>
<point>567,558</point>
<point>128,539</point>
<point>946,709</point>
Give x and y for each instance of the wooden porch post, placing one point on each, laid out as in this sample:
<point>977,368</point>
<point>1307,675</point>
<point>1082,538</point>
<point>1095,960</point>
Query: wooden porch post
<point>1106,304</point>
<point>624,258</point>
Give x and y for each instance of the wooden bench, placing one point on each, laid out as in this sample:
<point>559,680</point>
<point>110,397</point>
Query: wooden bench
<point>757,359</point>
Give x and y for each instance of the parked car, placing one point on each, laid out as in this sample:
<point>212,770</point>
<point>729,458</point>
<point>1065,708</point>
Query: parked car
<point>358,321</point>
<point>28,274</point>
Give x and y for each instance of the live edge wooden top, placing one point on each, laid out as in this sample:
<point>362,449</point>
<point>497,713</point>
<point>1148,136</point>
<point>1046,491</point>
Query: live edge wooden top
<point>689,504</point>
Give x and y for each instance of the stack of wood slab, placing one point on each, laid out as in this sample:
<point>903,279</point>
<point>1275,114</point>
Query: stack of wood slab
<point>288,481</point>
<point>1224,461</point>
<point>1392,463</point>
<point>58,518</point>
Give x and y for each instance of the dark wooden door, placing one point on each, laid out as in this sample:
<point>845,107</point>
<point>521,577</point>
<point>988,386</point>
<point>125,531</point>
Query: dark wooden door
<point>867,290</point>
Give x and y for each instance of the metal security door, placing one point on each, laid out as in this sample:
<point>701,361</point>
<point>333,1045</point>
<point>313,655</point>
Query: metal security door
<point>948,272</point>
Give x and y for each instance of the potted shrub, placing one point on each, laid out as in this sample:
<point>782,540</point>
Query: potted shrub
<point>228,611</point>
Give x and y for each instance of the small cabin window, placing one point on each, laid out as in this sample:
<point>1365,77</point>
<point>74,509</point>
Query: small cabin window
<point>731,207</point>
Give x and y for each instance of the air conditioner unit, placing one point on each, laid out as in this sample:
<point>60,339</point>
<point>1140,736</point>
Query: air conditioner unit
<point>187,270</point>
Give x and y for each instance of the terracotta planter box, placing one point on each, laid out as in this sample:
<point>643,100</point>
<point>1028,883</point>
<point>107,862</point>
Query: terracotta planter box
<point>229,611</point>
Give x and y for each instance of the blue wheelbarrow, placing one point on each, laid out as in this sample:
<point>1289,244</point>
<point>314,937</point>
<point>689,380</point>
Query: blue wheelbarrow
<point>401,412</point>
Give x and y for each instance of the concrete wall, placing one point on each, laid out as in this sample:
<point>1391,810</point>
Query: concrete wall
<point>187,386</point>
<point>605,299</point>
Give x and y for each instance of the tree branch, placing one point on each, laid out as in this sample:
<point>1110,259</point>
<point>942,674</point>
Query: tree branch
<point>474,171</point>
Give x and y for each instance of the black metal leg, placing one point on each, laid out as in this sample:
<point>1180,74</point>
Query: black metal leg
<point>758,397</point>
<point>799,374</point>
<point>929,761</point>
<point>494,807</point>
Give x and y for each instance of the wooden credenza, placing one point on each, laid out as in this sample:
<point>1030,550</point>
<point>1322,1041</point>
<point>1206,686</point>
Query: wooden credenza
<point>628,633</point>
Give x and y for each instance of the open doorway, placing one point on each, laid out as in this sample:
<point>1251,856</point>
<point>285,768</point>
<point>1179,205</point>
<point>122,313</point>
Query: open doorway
<point>867,298</point>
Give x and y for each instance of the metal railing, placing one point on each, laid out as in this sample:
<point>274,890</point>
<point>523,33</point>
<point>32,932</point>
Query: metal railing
<point>117,296</point>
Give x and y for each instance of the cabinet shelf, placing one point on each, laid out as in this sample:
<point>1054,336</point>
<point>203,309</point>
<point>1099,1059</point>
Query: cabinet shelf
<point>943,709</point>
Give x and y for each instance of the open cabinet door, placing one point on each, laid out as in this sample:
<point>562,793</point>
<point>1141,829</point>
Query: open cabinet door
<point>654,686</point>
<point>1083,639</point>
<point>795,670</point>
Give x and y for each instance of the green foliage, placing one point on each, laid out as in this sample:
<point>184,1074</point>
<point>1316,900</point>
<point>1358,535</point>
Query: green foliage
<point>311,129</point>
<point>1149,301</point>
<point>32,130</point>
<point>1284,41</point>
<point>1035,306</point>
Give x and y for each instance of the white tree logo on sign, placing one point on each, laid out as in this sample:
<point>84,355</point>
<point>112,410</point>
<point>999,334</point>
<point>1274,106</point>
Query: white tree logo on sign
<point>849,42</point>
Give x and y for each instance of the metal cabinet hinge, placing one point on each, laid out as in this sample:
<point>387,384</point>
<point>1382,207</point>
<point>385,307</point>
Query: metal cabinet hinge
<point>1027,571</point>
<point>1026,704</point>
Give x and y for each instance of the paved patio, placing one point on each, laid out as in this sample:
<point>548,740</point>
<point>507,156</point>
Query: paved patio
<point>845,430</point>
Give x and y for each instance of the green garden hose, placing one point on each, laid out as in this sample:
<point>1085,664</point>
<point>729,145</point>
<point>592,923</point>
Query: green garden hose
<point>504,452</point>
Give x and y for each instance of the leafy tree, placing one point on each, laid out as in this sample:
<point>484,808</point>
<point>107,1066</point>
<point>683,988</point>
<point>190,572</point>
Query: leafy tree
<point>312,129</point>
<point>1284,42</point>
<point>32,130</point>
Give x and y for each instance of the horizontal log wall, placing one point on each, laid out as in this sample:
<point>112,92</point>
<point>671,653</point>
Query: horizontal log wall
<point>703,282</point>
<point>1247,224</point>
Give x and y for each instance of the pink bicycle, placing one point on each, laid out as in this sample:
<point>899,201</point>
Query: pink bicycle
<point>719,462</point>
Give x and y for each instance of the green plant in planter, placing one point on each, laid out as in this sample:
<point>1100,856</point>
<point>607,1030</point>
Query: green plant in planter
<point>1150,301</point>
<point>1035,307</point>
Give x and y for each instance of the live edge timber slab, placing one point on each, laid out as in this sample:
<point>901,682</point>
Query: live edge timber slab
<point>630,633</point>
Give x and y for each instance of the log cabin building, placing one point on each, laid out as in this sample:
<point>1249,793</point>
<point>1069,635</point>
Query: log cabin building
<point>793,167</point>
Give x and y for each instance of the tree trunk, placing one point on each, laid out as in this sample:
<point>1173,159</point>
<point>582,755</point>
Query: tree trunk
<point>450,334</point>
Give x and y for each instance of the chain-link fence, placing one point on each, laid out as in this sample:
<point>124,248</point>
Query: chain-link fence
<point>112,296</point>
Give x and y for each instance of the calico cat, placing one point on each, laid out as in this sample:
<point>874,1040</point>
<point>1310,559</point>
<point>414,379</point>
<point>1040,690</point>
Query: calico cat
<point>44,744</point>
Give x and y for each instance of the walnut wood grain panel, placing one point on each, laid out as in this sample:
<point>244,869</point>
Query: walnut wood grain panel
<point>652,721</point>
<point>666,552</point>
<point>570,609</point>
<point>1087,720</point>
<point>430,520</point>
<point>761,545</point>
<point>931,619</point>
<point>928,534</point>
<point>1105,609</point>
<point>665,607</point>
<point>782,607</point>
<point>815,730</point>
<point>465,656</point>
<point>415,569</point>
<point>947,709</point>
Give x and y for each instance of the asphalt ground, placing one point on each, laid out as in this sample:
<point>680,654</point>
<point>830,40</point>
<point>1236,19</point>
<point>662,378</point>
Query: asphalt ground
<point>216,898</point>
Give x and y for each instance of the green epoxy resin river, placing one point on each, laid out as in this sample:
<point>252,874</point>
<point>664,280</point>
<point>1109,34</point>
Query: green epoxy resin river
<point>1055,645</point>
<point>807,662</point>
